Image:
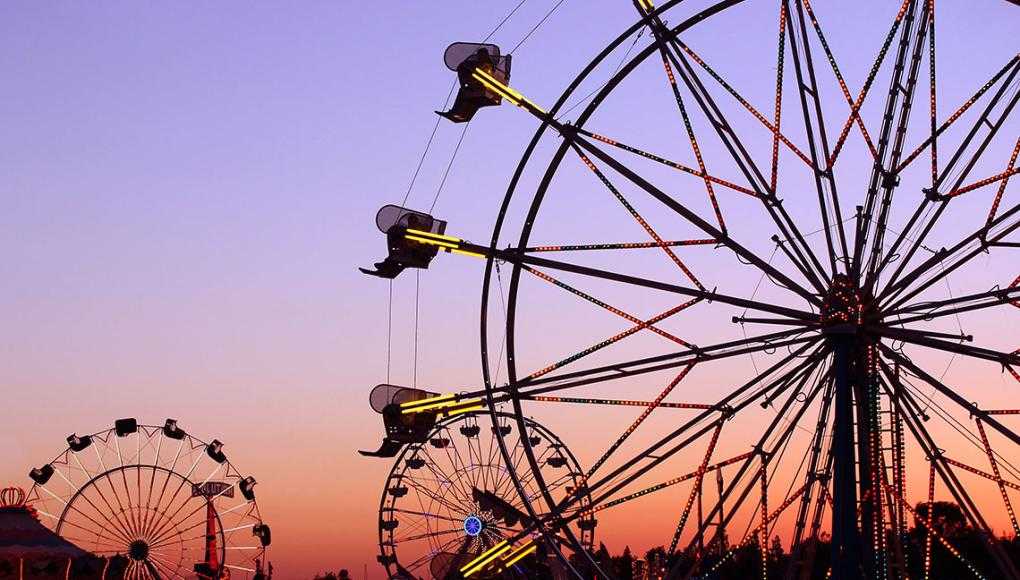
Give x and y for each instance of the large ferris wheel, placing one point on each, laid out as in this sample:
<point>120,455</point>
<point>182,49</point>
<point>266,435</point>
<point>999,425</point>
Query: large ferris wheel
<point>808,329</point>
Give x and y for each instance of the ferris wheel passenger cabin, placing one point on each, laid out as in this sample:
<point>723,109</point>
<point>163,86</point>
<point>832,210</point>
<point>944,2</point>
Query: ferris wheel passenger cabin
<point>401,428</point>
<point>403,252</point>
<point>464,58</point>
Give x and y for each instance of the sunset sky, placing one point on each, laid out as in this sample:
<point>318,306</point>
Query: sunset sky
<point>188,189</point>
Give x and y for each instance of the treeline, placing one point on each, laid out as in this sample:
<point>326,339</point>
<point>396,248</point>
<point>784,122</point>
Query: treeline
<point>744,562</point>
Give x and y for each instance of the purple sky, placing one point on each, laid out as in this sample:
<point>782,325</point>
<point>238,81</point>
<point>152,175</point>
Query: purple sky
<point>187,189</point>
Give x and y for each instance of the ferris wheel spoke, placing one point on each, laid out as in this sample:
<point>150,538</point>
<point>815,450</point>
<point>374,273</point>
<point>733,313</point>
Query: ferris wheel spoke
<point>629,368</point>
<point>622,438</point>
<point>690,135</point>
<point>426,558</point>
<point>933,308</point>
<point>692,217</point>
<point>462,488</point>
<point>656,285</point>
<point>430,534</point>
<point>842,82</point>
<point>118,528</point>
<point>668,163</point>
<point>620,478</point>
<point>157,529</point>
<point>921,277</point>
<point>117,512</point>
<point>807,260</point>
<point>855,109</point>
<point>422,489</point>
<point>637,217</point>
<point>149,511</point>
<point>762,450</point>
<point>173,517</point>
<point>581,294</point>
<point>814,125</point>
<point>959,167</point>
<point>925,339</point>
<point>695,489</point>
<point>641,325</point>
<point>884,180</point>
<point>459,497</point>
<point>951,394</point>
<point>1002,184</point>
<point>154,564</point>
<point>1010,65</point>
<point>424,514</point>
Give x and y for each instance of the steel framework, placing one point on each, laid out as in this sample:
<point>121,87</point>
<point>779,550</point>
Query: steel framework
<point>860,310</point>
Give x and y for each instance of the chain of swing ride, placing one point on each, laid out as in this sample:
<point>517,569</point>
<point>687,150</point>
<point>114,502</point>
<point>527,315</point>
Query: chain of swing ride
<point>442,184</point>
<point>893,379</point>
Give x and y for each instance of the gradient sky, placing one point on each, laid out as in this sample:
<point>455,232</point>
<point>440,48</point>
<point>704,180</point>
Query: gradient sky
<point>188,188</point>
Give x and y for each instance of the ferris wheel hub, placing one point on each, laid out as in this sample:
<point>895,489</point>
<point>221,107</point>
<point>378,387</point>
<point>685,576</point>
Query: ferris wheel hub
<point>138,550</point>
<point>473,526</point>
<point>846,307</point>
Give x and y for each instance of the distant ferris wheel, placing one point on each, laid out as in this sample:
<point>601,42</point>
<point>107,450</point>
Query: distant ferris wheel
<point>450,498</point>
<point>169,503</point>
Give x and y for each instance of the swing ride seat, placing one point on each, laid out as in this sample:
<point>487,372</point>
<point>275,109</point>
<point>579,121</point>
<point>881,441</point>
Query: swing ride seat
<point>463,58</point>
<point>401,428</point>
<point>394,221</point>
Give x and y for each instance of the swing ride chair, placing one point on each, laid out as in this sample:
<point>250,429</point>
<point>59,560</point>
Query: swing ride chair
<point>465,59</point>
<point>402,227</point>
<point>401,428</point>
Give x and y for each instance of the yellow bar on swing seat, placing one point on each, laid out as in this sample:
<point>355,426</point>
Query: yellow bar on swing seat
<point>514,557</point>
<point>429,403</point>
<point>486,557</point>
<point>430,234</point>
<point>431,242</point>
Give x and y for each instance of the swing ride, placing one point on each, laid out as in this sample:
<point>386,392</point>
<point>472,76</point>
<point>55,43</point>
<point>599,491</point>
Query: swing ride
<point>856,276</point>
<point>171,503</point>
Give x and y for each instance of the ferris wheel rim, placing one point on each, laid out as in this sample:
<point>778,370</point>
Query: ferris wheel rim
<point>557,157</point>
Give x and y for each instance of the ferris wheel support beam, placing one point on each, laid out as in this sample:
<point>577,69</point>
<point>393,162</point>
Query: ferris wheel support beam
<point>847,555</point>
<point>813,476</point>
<point>911,413</point>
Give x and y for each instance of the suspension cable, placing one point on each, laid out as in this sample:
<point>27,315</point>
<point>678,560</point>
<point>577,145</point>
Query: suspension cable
<point>537,26</point>
<point>449,166</point>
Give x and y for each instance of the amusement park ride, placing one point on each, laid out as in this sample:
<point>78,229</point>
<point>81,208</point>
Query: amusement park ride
<point>480,489</point>
<point>171,503</point>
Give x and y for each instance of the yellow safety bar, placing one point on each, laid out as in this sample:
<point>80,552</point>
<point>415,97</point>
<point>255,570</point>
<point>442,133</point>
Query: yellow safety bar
<point>485,558</point>
<point>493,84</point>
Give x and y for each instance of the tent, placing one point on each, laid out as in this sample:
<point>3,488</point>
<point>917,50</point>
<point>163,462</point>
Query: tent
<point>31,551</point>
